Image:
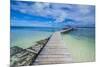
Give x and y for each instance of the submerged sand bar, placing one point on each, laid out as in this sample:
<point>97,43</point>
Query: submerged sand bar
<point>55,52</point>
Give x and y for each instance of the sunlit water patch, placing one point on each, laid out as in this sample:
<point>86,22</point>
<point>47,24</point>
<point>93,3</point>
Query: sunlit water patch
<point>81,43</point>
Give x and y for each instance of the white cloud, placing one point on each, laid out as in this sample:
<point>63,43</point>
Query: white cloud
<point>58,12</point>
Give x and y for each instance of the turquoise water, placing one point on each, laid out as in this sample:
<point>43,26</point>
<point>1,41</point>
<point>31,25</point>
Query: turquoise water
<point>80,42</point>
<point>25,38</point>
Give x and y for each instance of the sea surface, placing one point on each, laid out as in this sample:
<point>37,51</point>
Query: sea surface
<point>80,42</point>
<point>26,37</point>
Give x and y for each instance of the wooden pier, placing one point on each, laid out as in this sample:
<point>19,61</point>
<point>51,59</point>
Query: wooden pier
<point>51,50</point>
<point>66,30</point>
<point>55,52</point>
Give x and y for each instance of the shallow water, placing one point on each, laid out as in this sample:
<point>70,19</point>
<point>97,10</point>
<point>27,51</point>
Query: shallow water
<point>81,43</point>
<point>25,38</point>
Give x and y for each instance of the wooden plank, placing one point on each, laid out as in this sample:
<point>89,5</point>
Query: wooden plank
<point>54,52</point>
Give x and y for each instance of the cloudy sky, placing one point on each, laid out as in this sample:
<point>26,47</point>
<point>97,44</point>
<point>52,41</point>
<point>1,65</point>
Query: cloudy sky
<point>51,14</point>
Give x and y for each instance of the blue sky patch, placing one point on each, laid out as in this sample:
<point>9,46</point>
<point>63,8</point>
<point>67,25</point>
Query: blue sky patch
<point>51,14</point>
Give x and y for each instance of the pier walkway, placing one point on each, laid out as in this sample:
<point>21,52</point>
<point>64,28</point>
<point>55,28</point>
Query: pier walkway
<point>55,52</point>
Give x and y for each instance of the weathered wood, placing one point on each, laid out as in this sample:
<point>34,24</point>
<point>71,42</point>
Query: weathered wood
<point>54,52</point>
